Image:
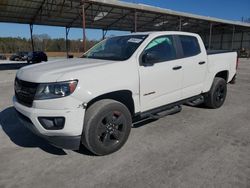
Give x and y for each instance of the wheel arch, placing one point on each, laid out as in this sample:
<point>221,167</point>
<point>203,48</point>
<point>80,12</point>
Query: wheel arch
<point>223,74</point>
<point>122,96</point>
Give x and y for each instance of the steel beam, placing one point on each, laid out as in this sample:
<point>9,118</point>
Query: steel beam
<point>205,38</point>
<point>180,23</point>
<point>232,46</point>
<point>221,40</point>
<point>210,35</point>
<point>135,21</point>
<point>84,27</point>
<point>116,21</point>
<point>241,41</point>
<point>38,11</point>
<point>67,29</point>
<point>148,23</point>
<point>104,33</point>
<point>77,17</point>
<point>31,37</point>
<point>61,10</point>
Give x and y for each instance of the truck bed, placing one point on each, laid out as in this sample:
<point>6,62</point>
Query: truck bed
<point>222,60</point>
<point>212,52</point>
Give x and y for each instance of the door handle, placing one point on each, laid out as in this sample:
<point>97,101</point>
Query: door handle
<point>177,67</point>
<point>202,62</point>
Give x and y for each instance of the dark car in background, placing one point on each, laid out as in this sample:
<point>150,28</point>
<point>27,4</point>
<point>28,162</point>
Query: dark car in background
<point>19,56</point>
<point>2,57</point>
<point>243,53</point>
<point>37,57</point>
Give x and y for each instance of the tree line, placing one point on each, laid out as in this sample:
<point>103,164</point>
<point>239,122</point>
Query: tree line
<point>41,43</point>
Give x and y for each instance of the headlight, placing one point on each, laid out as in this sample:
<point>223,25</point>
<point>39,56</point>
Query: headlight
<point>55,90</point>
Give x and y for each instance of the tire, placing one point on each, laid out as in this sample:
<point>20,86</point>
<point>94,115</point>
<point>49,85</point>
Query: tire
<point>215,98</point>
<point>106,127</point>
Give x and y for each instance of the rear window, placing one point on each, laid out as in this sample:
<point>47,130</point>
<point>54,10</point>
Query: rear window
<point>190,46</point>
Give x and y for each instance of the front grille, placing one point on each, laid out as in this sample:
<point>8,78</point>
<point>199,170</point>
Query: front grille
<point>25,92</point>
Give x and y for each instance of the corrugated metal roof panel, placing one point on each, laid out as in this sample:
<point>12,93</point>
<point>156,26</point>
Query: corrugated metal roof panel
<point>118,15</point>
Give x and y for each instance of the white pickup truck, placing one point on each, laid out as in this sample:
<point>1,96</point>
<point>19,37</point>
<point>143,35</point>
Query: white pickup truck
<point>94,100</point>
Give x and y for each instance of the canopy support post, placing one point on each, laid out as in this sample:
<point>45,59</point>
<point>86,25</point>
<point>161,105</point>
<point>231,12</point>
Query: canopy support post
<point>180,23</point>
<point>67,41</point>
<point>241,41</point>
<point>135,21</point>
<point>221,40</point>
<point>104,33</point>
<point>31,37</point>
<point>210,36</point>
<point>232,46</point>
<point>84,27</point>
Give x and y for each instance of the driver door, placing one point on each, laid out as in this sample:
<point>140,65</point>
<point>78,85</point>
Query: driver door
<point>160,73</point>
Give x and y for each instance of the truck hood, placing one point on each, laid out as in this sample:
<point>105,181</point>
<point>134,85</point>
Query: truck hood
<point>51,71</point>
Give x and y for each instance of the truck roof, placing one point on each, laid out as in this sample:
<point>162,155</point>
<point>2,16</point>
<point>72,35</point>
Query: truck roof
<point>162,33</point>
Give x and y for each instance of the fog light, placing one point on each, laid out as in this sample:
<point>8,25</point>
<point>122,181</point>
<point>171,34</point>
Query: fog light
<point>52,123</point>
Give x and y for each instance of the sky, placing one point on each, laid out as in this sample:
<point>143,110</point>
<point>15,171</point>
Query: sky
<point>225,9</point>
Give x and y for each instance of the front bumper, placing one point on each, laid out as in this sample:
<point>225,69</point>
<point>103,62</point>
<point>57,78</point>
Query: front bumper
<point>67,138</point>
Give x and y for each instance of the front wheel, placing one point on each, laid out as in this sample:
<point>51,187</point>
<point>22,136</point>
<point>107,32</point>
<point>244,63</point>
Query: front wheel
<point>215,98</point>
<point>106,127</point>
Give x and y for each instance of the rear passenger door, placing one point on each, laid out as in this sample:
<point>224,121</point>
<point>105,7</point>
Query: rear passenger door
<point>194,65</point>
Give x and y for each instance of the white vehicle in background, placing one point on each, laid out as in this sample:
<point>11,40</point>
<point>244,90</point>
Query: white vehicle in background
<point>94,100</point>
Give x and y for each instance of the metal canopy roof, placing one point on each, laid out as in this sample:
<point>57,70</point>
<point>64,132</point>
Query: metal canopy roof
<point>108,15</point>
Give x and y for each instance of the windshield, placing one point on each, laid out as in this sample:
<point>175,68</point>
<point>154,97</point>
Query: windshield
<point>116,48</point>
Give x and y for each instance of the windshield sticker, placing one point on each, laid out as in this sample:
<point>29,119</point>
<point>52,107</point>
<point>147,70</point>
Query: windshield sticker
<point>135,40</point>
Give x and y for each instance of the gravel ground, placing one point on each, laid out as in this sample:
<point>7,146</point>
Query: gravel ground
<point>197,147</point>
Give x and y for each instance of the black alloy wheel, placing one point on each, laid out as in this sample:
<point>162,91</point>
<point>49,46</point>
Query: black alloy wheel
<point>215,98</point>
<point>106,127</point>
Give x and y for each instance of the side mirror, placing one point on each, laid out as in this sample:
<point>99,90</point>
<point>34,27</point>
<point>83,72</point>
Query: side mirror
<point>149,58</point>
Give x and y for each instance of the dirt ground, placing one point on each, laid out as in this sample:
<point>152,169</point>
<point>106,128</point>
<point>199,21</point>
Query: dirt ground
<point>197,147</point>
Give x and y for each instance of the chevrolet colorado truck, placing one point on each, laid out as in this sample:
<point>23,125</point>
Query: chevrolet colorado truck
<point>94,100</point>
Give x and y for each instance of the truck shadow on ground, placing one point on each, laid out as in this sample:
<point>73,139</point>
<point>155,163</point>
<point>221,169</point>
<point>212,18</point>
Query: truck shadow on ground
<point>12,66</point>
<point>202,106</point>
<point>21,136</point>
<point>143,122</point>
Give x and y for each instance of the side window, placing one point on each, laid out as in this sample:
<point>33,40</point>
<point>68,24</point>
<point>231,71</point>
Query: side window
<point>190,46</point>
<point>161,49</point>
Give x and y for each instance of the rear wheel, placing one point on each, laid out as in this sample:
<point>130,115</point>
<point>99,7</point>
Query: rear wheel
<point>217,94</point>
<point>106,127</point>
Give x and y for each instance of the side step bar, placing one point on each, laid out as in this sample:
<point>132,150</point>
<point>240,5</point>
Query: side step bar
<point>166,109</point>
<point>196,101</point>
<point>173,110</point>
